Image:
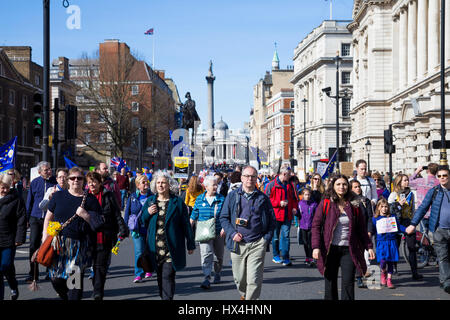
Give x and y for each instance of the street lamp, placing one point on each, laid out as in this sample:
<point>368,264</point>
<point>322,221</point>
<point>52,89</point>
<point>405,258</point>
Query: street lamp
<point>337,60</point>
<point>443,151</point>
<point>304,133</point>
<point>368,148</point>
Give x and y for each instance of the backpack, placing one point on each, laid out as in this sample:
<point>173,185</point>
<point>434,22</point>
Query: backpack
<point>326,208</point>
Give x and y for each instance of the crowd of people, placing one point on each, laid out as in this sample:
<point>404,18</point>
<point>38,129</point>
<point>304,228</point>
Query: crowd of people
<point>341,223</point>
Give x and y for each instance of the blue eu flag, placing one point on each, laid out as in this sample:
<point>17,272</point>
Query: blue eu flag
<point>8,155</point>
<point>330,166</point>
<point>69,163</point>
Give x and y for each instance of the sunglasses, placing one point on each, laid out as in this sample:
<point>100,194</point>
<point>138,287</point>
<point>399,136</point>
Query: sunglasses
<point>76,178</point>
<point>442,175</point>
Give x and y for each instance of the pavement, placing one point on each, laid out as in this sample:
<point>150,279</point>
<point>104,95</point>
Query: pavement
<point>296,282</point>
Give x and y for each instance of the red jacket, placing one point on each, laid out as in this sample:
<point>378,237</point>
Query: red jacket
<point>276,193</point>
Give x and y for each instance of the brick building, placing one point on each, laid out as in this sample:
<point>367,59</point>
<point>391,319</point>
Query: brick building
<point>116,89</point>
<point>20,79</point>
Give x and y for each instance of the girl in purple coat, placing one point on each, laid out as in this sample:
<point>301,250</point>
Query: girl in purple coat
<point>307,207</point>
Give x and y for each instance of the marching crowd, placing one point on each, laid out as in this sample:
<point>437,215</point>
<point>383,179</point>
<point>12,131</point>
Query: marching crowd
<point>343,223</point>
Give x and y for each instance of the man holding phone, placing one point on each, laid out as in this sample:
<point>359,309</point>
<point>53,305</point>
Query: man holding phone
<point>421,185</point>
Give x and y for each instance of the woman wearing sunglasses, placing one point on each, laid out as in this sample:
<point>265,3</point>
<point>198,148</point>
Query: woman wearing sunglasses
<point>76,240</point>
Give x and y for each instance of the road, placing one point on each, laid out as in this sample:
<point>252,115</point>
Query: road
<point>297,282</point>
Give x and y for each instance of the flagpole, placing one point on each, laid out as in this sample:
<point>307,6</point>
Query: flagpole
<point>331,9</point>
<point>153,54</point>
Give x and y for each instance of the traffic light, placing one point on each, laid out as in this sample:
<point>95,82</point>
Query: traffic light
<point>37,109</point>
<point>71,122</point>
<point>153,164</point>
<point>388,142</point>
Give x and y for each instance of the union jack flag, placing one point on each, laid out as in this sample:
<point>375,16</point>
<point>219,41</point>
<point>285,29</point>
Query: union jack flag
<point>149,31</point>
<point>115,162</point>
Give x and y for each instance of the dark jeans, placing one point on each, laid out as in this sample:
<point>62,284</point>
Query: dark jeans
<point>166,281</point>
<point>339,256</point>
<point>411,244</point>
<point>306,236</point>
<point>7,269</point>
<point>441,239</point>
<point>36,227</point>
<point>101,263</point>
<point>60,286</point>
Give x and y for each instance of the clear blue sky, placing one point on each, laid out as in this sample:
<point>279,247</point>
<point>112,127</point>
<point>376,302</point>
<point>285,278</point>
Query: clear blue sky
<point>237,35</point>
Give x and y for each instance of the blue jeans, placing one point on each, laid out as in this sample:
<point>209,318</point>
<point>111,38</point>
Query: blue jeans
<point>6,265</point>
<point>139,246</point>
<point>123,196</point>
<point>280,241</point>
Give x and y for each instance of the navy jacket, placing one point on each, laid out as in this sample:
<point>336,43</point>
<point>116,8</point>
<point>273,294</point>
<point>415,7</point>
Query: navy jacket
<point>38,187</point>
<point>228,215</point>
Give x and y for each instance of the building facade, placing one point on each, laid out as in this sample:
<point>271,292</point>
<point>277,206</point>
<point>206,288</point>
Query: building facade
<point>20,79</point>
<point>396,80</point>
<point>315,69</point>
<point>129,94</point>
<point>271,114</point>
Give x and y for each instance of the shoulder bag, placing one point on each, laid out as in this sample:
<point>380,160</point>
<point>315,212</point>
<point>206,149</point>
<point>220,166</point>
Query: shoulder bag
<point>206,230</point>
<point>50,247</point>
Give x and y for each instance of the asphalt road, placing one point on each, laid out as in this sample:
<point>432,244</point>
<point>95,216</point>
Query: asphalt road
<point>296,282</point>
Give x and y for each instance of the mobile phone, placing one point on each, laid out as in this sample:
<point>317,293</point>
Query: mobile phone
<point>425,168</point>
<point>402,196</point>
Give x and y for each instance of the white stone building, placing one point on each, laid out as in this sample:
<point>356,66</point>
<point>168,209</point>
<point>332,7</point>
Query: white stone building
<point>315,69</point>
<point>231,146</point>
<point>396,80</point>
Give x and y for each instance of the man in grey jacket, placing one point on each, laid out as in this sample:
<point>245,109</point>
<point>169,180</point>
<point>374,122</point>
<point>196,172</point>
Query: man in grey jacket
<point>249,221</point>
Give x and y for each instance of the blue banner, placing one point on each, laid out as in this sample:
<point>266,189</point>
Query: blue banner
<point>8,155</point>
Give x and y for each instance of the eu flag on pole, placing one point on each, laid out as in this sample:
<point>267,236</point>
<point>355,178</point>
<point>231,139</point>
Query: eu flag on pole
<point>69,163</point>
<point>149,32</point>
<point>330,166</point>
<point>8,155</point>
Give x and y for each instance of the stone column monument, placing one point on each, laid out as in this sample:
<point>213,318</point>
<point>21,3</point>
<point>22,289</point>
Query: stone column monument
<point>210,80</point>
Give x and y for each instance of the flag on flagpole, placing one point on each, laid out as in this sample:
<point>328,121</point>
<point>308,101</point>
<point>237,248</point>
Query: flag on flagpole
<point>330,166</point>
<point>69,163</point>
<point>8,155</point>
<point>149,32</point>
<point>115,161</point>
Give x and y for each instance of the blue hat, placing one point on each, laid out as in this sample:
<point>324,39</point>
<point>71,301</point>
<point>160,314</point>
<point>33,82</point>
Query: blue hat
<point>146,168</point>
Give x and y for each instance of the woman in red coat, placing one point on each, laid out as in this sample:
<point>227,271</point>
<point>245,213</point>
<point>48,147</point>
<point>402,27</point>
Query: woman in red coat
<point>339,238</point>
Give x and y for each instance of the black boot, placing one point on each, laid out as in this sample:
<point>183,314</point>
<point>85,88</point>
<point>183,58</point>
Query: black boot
<point>413,264</point>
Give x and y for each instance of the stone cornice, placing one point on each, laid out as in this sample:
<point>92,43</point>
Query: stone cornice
<point>316,65</point>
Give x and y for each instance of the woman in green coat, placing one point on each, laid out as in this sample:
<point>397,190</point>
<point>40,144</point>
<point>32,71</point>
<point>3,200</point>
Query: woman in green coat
<point>169,232</point>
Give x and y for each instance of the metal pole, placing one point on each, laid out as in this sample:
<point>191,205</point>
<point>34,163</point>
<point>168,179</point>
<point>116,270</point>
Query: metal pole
<point>46,84</point>
<point>55,132</point>
<point>443,158</point>
<point>337,111</point>
<point>140,147</point>
<point>390,161</point>
<point>304,133</point>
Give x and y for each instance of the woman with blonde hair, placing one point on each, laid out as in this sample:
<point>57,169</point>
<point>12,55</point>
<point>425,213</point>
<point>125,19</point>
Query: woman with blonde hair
<point>13,229</point>
<point>317,188</point>
<point>401,201</point>
<point>194,189</point>
<point>133,211</point>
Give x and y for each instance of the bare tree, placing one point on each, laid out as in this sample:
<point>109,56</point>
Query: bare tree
<point>114,96</point>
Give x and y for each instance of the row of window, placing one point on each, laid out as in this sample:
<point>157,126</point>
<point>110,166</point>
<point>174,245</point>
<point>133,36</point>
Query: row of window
<point>101,119</point>
<point>12,98</point>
